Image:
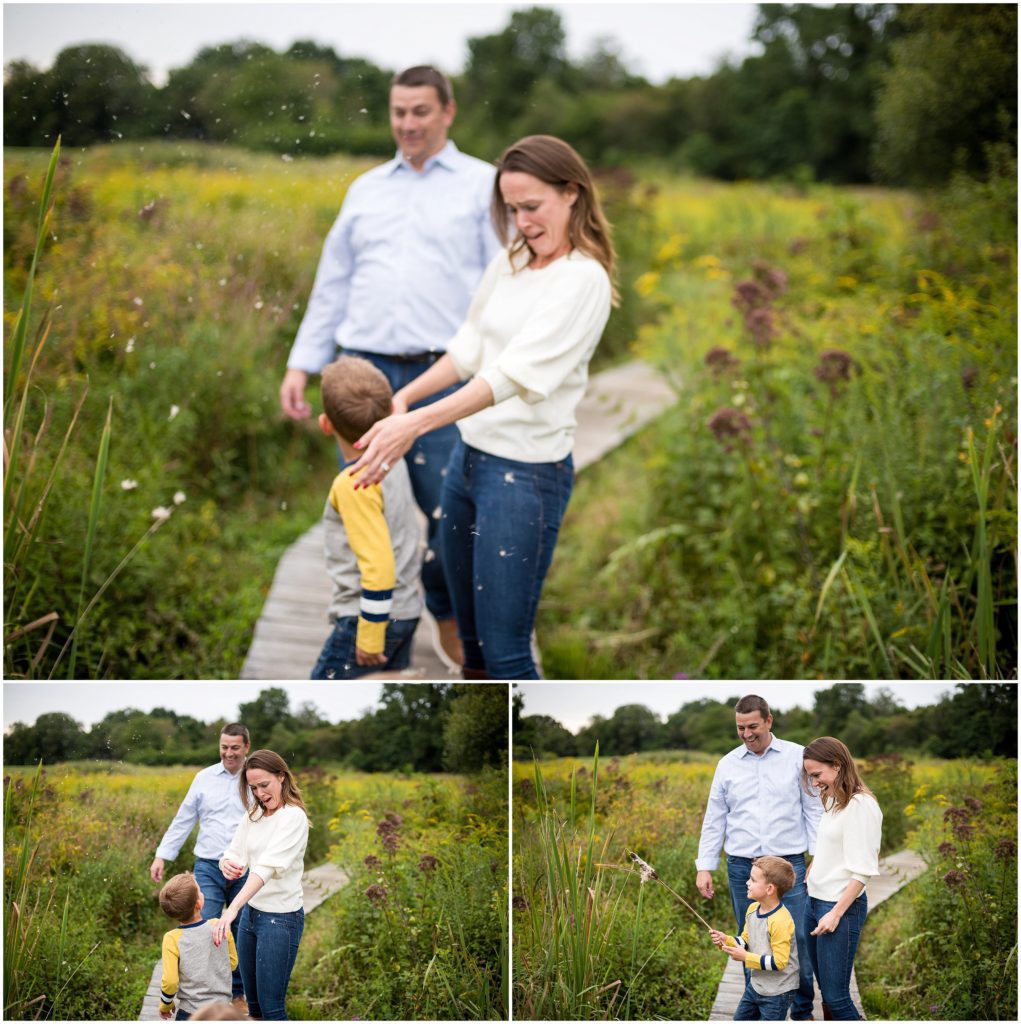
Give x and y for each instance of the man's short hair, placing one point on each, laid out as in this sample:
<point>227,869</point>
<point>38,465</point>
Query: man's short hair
<point>237,729</point>
<point>423,74</point>
<point>179,897</point>
<point>746,705</point>
<point>355,395</point>
<point>777,872</point>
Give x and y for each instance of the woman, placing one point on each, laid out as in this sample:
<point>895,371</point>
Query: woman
<point>270,844</point>
<point>531,330</point>
<point>846,857</point>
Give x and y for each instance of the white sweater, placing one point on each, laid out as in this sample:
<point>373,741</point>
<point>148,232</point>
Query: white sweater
<point>274,849</point>
<point>530,335</point>
<point>846,847</point>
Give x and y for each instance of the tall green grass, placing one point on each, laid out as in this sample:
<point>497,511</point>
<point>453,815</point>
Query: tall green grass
<point>29,490</point>
<point>569,922</point>
<point>30,963</point>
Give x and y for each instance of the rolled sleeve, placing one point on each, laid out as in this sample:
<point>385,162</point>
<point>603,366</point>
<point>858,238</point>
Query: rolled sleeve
<point>286,847</point>
<point>862,835</point>
<point>556,338</point>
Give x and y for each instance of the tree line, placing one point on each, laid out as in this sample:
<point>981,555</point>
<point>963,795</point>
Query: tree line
<point>978,720</point>
<point>425,727</point>
<point>905,94</point>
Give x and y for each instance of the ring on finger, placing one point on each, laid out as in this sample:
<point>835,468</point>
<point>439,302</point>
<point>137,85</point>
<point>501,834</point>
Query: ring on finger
<point>386,467</point>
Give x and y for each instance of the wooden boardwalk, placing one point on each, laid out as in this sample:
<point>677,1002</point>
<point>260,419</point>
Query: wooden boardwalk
<point>318,884</point>
<point>293,626</point>
<point>895,872</point>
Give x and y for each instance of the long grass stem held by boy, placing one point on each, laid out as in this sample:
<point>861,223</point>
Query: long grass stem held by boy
<point>647,873</point>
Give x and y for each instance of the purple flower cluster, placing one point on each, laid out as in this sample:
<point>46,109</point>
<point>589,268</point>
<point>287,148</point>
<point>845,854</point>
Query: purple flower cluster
<point>835,367</point>
<point>729,426</point>
<point>376,893</point>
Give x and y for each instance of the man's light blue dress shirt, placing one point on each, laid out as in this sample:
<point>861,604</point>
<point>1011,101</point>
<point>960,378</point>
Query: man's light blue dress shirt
<point>757,806</point>
<point>214,801</point>
<point>402,260</point>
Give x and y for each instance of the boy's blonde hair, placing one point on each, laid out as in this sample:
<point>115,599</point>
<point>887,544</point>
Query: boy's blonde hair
<point>179,897</point>
<point>777,872</point>
<point>355,395</point>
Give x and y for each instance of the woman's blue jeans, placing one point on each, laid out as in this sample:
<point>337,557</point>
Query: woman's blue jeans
<point>267,947</point>
<point>499,527</point>
<point>739,870</point>
<point>833,954</point>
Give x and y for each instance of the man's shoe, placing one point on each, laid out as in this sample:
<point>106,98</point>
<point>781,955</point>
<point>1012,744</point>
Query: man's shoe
<point>447,644</point>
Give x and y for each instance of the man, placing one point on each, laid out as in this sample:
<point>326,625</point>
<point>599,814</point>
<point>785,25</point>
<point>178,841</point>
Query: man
<point>395,279</point>
<point>757,807</point>
<point>214,801</point>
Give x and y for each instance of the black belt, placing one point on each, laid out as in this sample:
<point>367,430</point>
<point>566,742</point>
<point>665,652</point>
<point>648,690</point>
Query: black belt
<point>415,357</point>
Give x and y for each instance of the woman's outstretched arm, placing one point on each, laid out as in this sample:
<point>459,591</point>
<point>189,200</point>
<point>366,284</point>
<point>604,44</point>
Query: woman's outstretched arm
<point>248,890</point>
<point>389,439</point>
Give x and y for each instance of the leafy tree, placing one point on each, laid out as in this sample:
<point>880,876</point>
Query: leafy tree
<point>833,707</point>
<point>475,731</point>
<point>95,93</point>
<point>503,68</point>
<point>543,735</point>
<point>949,92</point>
<point>270,708</point>
<point>57,737</point>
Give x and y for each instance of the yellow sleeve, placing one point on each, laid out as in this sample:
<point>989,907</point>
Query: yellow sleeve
<point>233,950</point>
<point>361,512</point>
<point>781,935</point>
<point>171,967</point>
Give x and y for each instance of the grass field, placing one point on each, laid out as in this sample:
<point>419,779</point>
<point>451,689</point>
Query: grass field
<point>833,496</point>
<point>591,942</point>
<point>418,933</point>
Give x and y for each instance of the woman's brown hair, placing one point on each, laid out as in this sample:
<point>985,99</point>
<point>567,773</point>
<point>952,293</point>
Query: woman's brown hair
<point>272,762</point>
<point>827,750</point>
<point>554,162</point>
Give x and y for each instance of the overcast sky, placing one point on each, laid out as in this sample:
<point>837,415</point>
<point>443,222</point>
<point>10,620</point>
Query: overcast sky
<point>573,705</point>
<point>658,40</point>
<point>88,703</point>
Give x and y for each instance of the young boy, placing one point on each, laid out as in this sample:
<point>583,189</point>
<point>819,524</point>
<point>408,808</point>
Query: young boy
<point>194,970</point>
<point>767,946</point>
<point>373,552</point>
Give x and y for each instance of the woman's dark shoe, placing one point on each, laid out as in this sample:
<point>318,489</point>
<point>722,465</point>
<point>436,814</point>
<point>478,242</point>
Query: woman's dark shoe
<point>474,673</point>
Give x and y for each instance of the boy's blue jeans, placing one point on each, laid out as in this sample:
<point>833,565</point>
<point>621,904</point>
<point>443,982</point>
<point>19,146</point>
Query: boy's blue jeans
<point>755,1006</point>
<point>337,659</point>
<point>426,461</point>
<point>833,954</point>
<point>739,870</point>
<point>219,892</point>
<point>500,523</point>
<point>267,948</point>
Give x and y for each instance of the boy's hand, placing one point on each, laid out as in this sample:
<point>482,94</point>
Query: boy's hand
<point>736,953</point>
<point>166,1014</point>
<point>365,658</point>
<point>719,938</point>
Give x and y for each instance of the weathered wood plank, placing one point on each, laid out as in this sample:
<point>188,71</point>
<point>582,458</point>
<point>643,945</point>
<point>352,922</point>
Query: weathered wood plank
<point>287,640</point>
<point>895,872</point>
